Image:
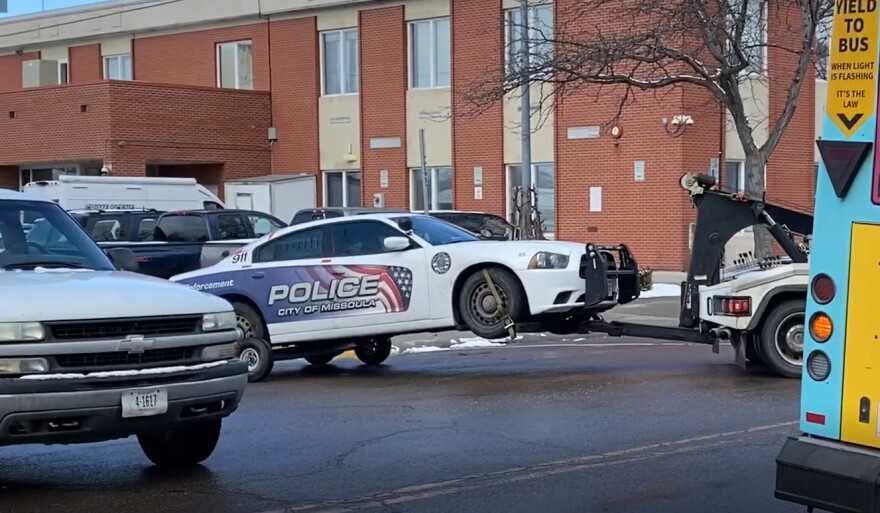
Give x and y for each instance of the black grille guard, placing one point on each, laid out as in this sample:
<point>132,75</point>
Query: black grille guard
<point>601,266</point>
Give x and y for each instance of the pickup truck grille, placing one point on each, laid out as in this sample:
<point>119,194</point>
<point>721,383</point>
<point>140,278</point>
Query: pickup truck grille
<point>99,329</point>
<point>183,355</point>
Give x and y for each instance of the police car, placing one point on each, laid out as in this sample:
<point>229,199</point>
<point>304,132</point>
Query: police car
<point>316,289</point>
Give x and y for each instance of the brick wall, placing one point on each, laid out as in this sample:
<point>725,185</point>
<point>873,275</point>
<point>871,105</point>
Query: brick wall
<point>478,46</point>
<point>383,84</point>
<point>184,124</point>
<point>85,64</point>
<point>50,125</point>
<point>295,84</point>
<point>10,70</point>
<point>790,175</point>
<point>128,124</point>
<point>154,62</point>
<point>651,216</point>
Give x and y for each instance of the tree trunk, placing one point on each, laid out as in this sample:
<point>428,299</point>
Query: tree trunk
<point>755,186</point>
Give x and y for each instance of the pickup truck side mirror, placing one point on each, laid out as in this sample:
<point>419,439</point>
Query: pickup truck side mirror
<point>123,259</point>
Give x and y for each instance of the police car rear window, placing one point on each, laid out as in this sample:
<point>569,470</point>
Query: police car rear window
<point>184,228</point>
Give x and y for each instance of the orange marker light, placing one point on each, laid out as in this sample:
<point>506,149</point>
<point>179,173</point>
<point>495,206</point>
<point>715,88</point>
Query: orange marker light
<point>821,327</point>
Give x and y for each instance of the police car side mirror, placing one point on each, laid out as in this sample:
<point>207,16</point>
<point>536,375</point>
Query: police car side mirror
<point>123,259</point>
<point>396,243</point>
<point>486,233</point>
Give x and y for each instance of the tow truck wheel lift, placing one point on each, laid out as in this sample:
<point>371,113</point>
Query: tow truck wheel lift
<point>720,215</point>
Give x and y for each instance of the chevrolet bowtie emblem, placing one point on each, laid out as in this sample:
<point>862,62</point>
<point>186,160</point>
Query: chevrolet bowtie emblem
<point>135,344</point>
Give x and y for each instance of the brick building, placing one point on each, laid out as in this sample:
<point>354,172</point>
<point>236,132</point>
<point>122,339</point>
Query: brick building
<point>172,89</point>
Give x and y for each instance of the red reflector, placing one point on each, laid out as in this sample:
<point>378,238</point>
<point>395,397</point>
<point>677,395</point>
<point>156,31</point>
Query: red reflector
<point>823,288</point>
<point>815,418</point>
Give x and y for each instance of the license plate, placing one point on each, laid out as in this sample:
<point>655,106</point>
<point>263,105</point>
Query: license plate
<point>144,403</point>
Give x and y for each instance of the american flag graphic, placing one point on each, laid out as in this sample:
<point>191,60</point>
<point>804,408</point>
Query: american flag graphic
<point>395,283</point>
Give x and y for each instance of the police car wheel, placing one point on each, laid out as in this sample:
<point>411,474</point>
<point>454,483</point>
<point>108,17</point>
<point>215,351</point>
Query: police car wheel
<point>183,446</point>
<point>258,355</point>
<point>479,308</point>
<point>373,352</point>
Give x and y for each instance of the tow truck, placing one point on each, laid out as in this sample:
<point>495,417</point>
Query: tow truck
<point>757,306</point>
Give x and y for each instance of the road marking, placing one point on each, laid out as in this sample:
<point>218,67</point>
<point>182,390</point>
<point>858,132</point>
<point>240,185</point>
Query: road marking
<point>425,491</point>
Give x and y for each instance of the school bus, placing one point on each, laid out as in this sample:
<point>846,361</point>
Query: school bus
<point>833,464</point>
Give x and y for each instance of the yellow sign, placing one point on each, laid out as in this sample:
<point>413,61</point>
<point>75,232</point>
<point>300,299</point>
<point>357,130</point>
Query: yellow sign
<point>852,70</point>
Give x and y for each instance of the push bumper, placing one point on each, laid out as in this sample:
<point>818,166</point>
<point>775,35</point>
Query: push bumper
<point>828,476</point>
<point>82,410</point>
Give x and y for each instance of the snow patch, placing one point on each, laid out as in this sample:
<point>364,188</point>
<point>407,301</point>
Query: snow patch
<point>462,343</point>
<point>661,290</point>
<point>122,373</point>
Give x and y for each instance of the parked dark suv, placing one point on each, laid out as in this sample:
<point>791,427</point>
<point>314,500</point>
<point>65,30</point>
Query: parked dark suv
<point>487,226</point>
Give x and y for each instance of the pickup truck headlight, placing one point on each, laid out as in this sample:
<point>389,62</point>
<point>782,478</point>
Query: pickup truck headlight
<point>547,260</point>
<point>219,321</point>
<point>21,332</point>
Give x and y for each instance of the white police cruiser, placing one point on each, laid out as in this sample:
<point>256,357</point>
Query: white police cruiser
<point>319,288</point>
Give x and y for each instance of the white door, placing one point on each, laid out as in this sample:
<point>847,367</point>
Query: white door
<point>375,288</point>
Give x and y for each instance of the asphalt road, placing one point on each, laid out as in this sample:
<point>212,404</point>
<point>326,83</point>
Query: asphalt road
<point>600,425</point>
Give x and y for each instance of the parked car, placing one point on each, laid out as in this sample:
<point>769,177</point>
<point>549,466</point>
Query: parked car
<point>487,226</point>
<point>179,241</point>
<point>89,352</point>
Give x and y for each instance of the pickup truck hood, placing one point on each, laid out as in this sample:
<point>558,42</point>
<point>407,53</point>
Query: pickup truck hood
<point>58,295</point>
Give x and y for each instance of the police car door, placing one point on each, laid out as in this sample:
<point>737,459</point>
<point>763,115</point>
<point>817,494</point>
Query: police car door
<point>376,288</point>
<point>286,278</point>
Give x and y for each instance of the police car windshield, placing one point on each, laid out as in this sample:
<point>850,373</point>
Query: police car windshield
<point>54,240</point>
<point>438,233</point>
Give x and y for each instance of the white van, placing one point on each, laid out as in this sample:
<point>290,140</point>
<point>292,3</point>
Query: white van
<point>125,193</point>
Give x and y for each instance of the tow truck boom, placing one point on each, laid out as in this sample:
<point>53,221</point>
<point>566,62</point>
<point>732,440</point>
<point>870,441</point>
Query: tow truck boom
<point>720,215</point>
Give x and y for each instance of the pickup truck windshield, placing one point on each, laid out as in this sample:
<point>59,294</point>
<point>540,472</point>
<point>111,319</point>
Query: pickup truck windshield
<point>439,233</point>
<point>54,241</point>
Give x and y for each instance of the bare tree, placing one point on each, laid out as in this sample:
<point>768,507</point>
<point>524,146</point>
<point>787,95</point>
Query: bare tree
<point>720,46</point>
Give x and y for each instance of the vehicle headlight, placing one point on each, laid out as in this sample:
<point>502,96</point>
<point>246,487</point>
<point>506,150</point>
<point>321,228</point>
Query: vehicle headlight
<point>547,260</point>
<point>219,321</point>
<point>21,332</point>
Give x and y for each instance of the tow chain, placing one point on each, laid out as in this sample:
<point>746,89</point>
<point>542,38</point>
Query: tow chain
<point>505,318</point>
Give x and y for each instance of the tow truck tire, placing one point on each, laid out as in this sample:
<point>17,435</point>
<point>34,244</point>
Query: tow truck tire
<point>373,352</point>
<point>253,349</point>
<point>783,327</point>
<point>753,350</point>
<point>477,305</point>
<point>181,447</point>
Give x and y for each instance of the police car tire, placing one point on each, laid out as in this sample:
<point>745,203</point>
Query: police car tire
<point>382,352</point>
<point>184,446</point>
<point>265,362</point>
<point>768,350</point>
<point>509,285</point>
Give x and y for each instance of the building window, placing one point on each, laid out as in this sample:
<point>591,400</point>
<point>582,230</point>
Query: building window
<point>342,188</point>
<point>117,67</point>
<point>63,71</point>
<point>235,67</point>
<point>544,181</point>
<point>540,36</point>
<point>735,176</point>
<point>439,189</point>
<point>753,42</point>
<point>429,53</point>
<point>339,61</point>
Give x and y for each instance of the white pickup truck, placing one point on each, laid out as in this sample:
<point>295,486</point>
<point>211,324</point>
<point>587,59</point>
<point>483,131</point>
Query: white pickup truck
<point>89,352</point>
